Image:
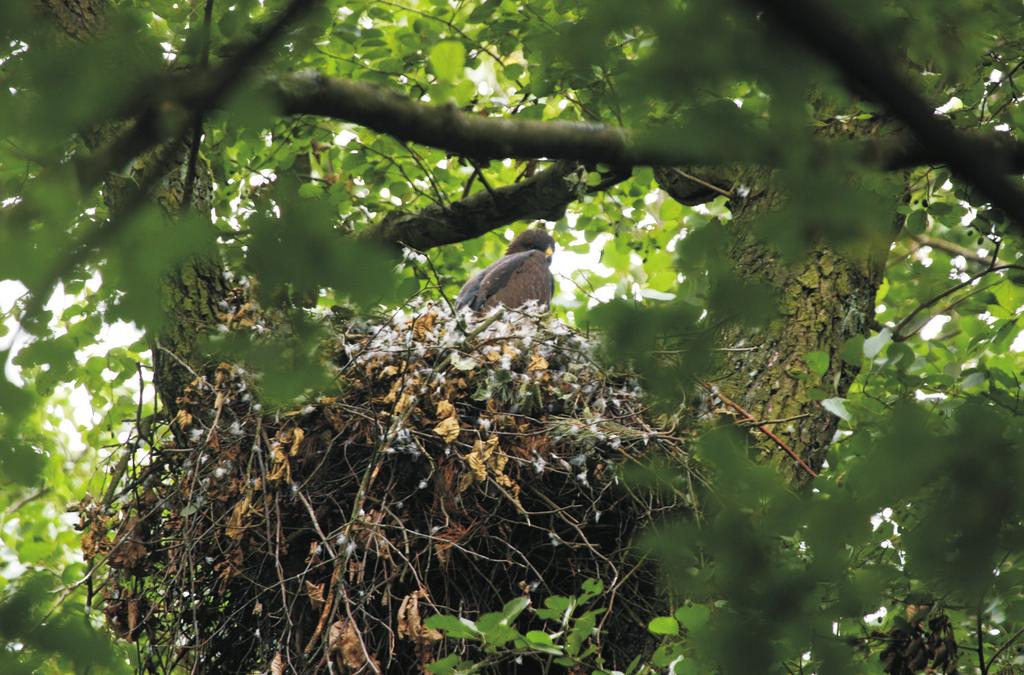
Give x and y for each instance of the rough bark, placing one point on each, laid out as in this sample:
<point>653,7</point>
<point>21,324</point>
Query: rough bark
<point>190,294</point>
<point>76,19</point>
<point>824,298</point>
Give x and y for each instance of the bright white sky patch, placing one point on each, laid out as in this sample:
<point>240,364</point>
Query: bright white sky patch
<point>923,256</point>
<point>344,137</point>
<point>934,326</point>
<point>877,616</point>
<point>952,105</point>
<point>1018,343</point>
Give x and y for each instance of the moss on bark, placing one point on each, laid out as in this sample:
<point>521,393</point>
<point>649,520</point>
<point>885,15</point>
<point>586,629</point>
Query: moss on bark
<point>824,298</point>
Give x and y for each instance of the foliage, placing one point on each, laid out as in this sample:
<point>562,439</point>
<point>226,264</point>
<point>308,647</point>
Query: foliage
<point>572,627</point>
<point>918,502</point>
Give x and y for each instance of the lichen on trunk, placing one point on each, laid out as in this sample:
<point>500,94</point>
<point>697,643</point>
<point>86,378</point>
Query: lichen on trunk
<point>823,298</point>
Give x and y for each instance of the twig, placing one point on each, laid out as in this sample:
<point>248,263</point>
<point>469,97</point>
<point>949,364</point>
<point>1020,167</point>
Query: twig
<point>328,605</point>
<point>703,183</point>
<point>761,427</point>
<point>954,249</point>
<point>1006,645</point>
<point>485,324</point>
<point>26,498</point>
<point>897,332</point>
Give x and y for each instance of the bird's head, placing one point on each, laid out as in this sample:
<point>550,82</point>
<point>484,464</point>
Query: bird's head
<point>532,240</point>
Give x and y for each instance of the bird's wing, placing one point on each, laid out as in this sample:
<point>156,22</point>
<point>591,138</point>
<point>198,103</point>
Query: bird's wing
<point>479,290</point>
<point>529,278</point>
<point>469,292</point>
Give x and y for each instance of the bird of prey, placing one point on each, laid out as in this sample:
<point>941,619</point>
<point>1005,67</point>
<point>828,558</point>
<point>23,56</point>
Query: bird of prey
<point>522,275</point>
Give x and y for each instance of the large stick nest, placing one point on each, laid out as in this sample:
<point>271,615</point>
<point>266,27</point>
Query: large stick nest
<point>462,463</point>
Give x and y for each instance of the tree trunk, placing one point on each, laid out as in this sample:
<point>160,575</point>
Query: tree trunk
<point>191,294</point>
<point>823,299</point>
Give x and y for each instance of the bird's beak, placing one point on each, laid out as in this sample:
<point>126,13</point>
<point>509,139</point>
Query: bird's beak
<point>549,251</point>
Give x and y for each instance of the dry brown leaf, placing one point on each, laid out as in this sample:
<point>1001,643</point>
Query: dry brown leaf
<point>448,428</point>
<point>537,363</point>
<point>130,552</point>
<point>409,623</point>
<point>422,325</point>
<point>392,394</point>
<point>133,616</point>
<point>356,572</point>
<point>342,638</point>
<point>297,436</point>
<point>183,419</point>
<point>277,665</point>
<point>405,402</point>
<point>237,520</point>
<point>478,461</point>
<point>445,409</point>
<point>282,469</point>
<point>314,553</point>
<point>315,593</point>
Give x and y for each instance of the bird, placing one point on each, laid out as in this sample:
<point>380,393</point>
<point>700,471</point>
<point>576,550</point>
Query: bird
<point>524,274</point>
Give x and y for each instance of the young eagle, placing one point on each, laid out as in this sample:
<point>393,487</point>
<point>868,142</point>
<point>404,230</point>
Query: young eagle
<point>522,275</point>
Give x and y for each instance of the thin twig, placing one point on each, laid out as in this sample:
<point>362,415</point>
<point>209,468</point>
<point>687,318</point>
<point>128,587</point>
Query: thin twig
<point>1006,645</point>
<point>897,332</point>
<point>753,420</point>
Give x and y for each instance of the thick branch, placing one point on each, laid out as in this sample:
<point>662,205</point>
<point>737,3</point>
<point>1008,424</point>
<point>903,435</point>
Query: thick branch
<point>904,151</point>
<point>476,136</point>
<point>868,72</point>
<point>544,195</point>
<point>472,135</point>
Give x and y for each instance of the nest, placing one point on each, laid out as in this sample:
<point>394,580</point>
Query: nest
<point>463,462</point>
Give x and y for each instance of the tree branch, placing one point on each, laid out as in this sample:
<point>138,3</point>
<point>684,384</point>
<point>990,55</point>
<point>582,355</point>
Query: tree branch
<point>954,249</point>
<point>463,133</point>
<point>867,71</point>
<point>150,130</point>
<point>545,195</point>
<point>197,129</point>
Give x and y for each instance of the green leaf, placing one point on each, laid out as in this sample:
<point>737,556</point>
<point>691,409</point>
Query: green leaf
<point>693,617</point>
<point>514,608</point>
<point>448,59</point>
<point>917,223</point>
<point>541,641</point>
<point>452,626</point>
<point>311,190</point>
<point>836,406</point>
<point>663,625</point>
<point>853,350</point>
<point>874,344</point>
<point>445,666</point>
<point>817,362</point>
